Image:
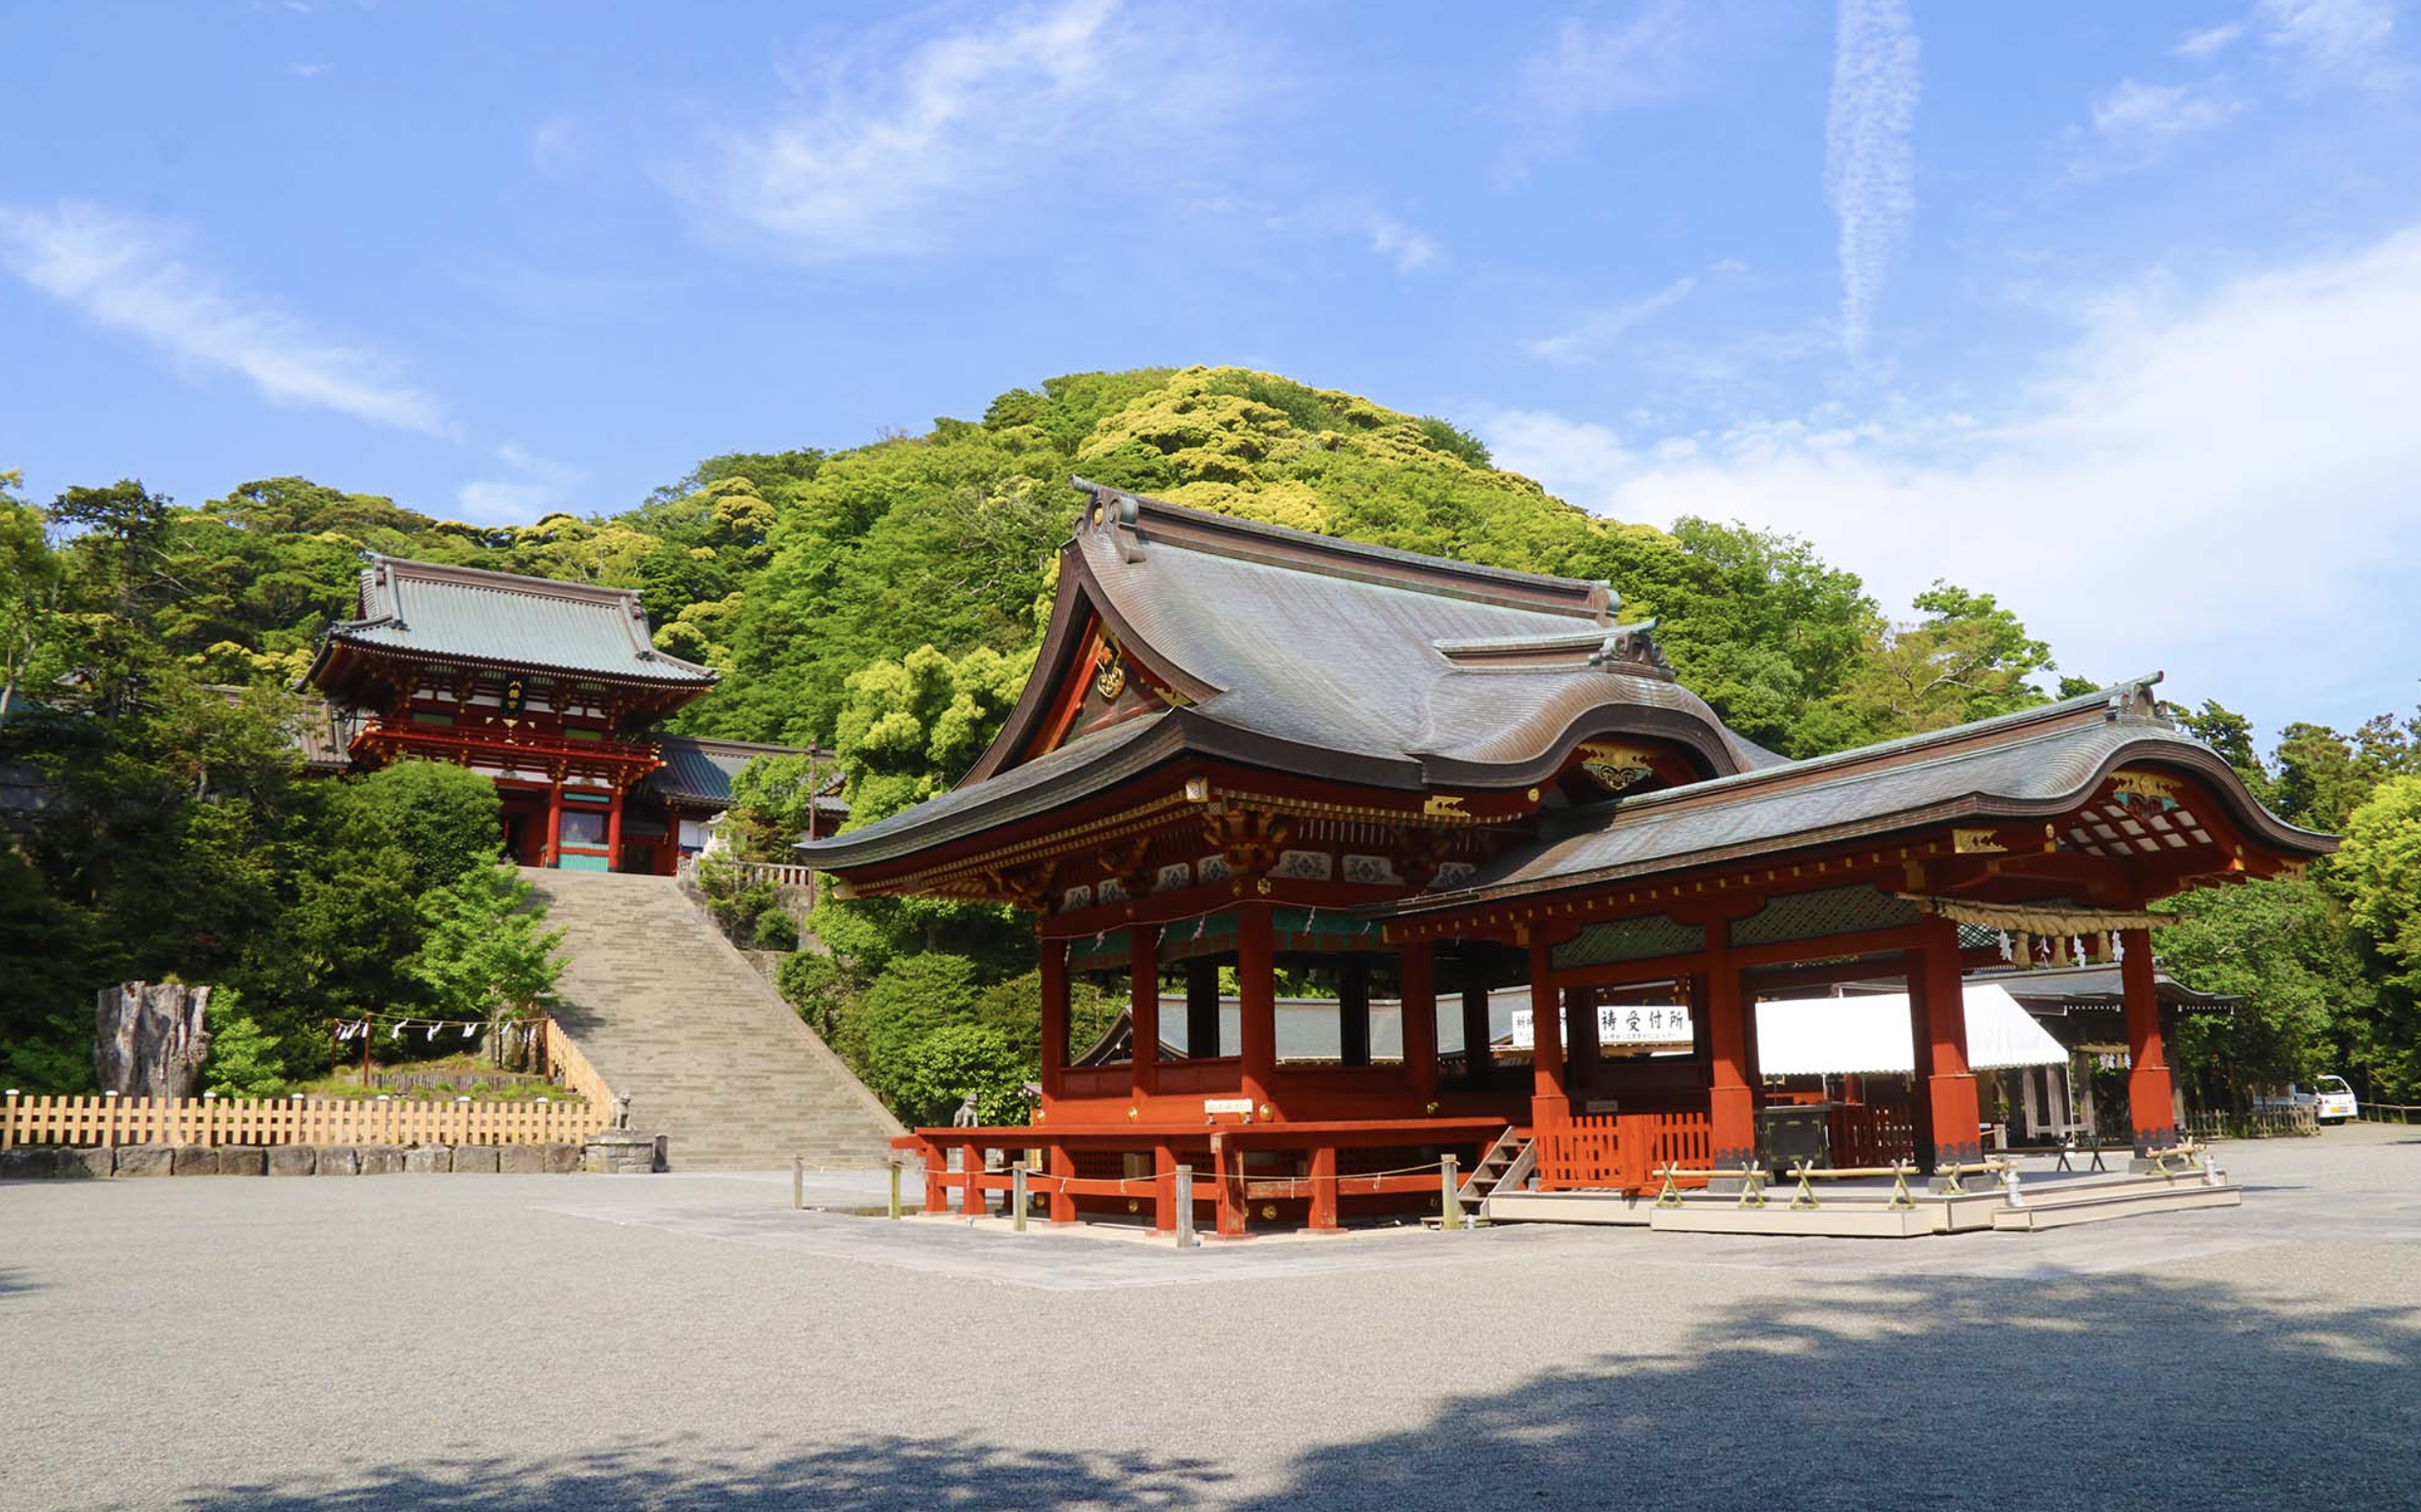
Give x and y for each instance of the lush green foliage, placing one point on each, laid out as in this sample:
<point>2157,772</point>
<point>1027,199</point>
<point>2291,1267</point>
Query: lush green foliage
<point>483,953</point>
<point>244,1060</point>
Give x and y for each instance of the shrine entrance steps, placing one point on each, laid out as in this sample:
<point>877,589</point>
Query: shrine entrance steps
<point>672,1016</point>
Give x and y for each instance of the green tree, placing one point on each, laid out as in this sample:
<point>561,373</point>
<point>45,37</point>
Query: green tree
<point>485,954</point>
<point>245,1059</point>
<point>2284,947</point>
<point>914,996</point>
<point>2378,871</point>
<point>952,1062</point>
<point>31,577</point>
<point>1967,659</point>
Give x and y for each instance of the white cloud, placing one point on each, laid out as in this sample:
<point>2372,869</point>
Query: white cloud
<point>2340,37</point>
<point>879,145</point>
<point>306,71</point>
<point>1645,60</point>
<point>1870,176</point>
<point>2203,44</point>
<point>2153,110</point>
<point>1410,248</point>
<point>120,271</point>
<point>1600,330</point>
<point>538,486</point>
<point>2226,489</point>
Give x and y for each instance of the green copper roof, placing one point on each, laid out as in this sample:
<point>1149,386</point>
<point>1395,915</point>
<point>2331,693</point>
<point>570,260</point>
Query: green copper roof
<point>450,613</point>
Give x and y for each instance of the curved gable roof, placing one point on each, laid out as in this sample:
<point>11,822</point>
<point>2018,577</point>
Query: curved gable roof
<point>430,611</point>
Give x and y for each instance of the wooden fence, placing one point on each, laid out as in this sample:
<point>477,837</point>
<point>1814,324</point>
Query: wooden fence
<point>1868,1133</point>
<point>566,1063</point>
<point>2206,1124</point>
<point>1621,1151</point>
<point>214,1121</point>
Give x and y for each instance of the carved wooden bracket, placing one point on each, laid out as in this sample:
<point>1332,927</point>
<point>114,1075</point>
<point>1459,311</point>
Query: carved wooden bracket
<point>1250,839</point>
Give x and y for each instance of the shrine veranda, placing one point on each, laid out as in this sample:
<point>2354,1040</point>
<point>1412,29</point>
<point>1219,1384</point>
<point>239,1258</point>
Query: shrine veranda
<point>1278,754</point>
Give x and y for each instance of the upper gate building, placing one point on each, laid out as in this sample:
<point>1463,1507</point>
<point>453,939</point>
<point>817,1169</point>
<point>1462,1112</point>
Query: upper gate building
<point>550,688</point>
<point>1305,764</point>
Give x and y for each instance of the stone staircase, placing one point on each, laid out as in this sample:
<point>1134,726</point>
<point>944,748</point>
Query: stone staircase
<point>672,1016</point>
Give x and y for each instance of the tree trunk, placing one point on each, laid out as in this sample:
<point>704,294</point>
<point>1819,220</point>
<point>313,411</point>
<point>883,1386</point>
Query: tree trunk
<point>149,1038</point>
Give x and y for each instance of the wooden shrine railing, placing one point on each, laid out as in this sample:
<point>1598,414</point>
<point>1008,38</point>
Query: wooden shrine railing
<point>214,1121</point>
<point>1866,1133</point>
<point>1621,1151</point>
<point>572,1070</point>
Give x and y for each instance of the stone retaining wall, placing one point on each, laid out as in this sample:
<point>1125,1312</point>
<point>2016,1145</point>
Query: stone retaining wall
<point>612,1151</point>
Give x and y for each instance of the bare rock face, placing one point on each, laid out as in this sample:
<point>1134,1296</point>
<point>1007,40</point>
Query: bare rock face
<point>475,1158</point>
<point>195,1160</point>
<point>293,1160</point>
<point>428,1159</point>
<point>88,1161</point>
<point>338,1159</point>
<point>149,1038</point>
<point>242,1159</point>
<point>381,1160</point>
<point>561,1160</point>
<point>520,1160</point>
<point>147,1160</point>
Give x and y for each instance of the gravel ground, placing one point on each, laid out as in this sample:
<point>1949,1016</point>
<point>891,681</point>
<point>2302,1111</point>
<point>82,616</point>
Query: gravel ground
<point>577,1343</point>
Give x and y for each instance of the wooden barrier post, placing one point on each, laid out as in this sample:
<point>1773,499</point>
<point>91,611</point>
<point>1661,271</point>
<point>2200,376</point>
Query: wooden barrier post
<point>894,1168</point>
<point>1449,1195</point>
<point>1185,1208</point>
<point>7,1122</point>
<point>1016,1197</point>
<point>798,1182</point>
<point>110,1121</point>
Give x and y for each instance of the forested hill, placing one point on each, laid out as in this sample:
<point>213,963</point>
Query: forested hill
<point>791,570</point>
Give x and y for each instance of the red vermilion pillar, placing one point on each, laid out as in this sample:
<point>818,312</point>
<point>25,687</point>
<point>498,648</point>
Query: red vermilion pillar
<point>554,826</point>
<point>1257,992</point>
<point>1417,978</point>
<point>1143,1007</point>
<point>1549,1104</point>
<point>2148,1090</point>
<point>1055,1017</point>
<point>1731,1102</point>
<point>613,833</point>
<point>1938,988</point>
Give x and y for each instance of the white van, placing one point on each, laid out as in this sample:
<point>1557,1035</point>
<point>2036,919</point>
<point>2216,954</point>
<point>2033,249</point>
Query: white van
<point>2334,1101</point>
<point>2329,1098</point>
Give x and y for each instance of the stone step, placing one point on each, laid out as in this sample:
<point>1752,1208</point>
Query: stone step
<point>710,1055</point>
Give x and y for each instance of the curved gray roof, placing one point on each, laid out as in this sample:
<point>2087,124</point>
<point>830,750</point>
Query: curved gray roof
<point>2037,763</point>
<point>1304,653</point>
<point>441,613</point>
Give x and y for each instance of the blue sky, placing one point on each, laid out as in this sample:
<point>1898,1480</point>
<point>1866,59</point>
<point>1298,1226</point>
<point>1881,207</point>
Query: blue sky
<point>2111,311</point>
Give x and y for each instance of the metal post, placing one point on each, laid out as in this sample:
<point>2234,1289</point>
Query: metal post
<point>1449,1194</point>
<point>895,1165</point>
<point>1185,1208</point>
<point>1016,1197</point>
<point>798,1182</point>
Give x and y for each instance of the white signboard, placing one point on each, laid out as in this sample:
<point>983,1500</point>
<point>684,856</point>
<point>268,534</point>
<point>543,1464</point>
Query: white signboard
<point>1620,1023</point>
<point>1213,1106</point>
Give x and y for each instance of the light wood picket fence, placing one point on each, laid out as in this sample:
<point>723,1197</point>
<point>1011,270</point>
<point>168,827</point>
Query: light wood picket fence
<point>586,1107</point>
<point>215,1121</point>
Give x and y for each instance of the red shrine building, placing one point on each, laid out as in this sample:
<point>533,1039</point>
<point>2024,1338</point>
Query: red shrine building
<point>1253,762</point>
<point>549,689</point>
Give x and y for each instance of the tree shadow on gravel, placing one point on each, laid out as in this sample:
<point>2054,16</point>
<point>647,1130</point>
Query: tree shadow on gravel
<point>2105,1392</point>
<point>13,1283</point>
<point>858,1475</point>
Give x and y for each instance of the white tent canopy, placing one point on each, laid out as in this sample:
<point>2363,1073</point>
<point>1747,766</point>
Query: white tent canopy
<point>1871,1036</point>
